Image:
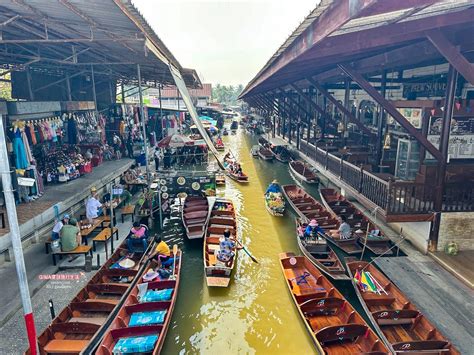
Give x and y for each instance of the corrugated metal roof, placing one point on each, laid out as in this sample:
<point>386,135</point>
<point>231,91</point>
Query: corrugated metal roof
<point>111,34</point>
<point>170,91</point>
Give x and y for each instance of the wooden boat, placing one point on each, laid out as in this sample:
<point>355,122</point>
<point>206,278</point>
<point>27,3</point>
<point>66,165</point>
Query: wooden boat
<point>265,154</point>
<point>399,323</point>
<point>377,243</point>
<point>134,307</point>
<point>303,172</point>
<point>220,179</point>
<point>281,154</point>
<point>195,216</point>
<point>222,217</point>
<point>234,125</point>
<point>332,322</point>
<point>274,210</point>
<point>320,253</point>
<point>242,177</point>
<point>219,145</point>
<point>90,310</point>
<point>263,142</point>
<point>254,151</point>
<point>308,208</point>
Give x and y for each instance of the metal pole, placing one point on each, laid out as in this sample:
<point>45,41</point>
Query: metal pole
<point>94,94</point>
<point>161,110</point>
<point>111,222</point>
<point>68,86</point>
<point>380,123</point>
<point>16,242</point>
<point>28,81</point>
<point>347,91</point>
<point>122,90</point>
<point>142,114</point>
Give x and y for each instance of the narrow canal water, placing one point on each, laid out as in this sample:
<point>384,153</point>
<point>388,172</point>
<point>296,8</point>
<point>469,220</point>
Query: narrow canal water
<point>255,314</point>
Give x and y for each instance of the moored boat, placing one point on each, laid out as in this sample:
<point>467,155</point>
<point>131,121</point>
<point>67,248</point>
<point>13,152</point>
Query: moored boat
<point>375,241</point>
<point>254,151</point>
<point>219,144</point>
<point>332,322</point>
<point>265,154</point>
<point>308,208</point>
<point>91,309</point>
<point>398,321</point>
<point>223,217</point>
<point>220,179</point>
<point>195,216</point>
<point>282,154</point>
<point>320,253</point>
<point>143,320</point>
<point>303,172</point>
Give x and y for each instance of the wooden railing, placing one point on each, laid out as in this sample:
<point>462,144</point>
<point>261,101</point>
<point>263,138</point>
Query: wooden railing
<point>395,197</point>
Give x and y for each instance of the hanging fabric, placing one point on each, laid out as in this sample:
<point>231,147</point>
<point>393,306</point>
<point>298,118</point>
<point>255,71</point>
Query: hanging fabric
<point>21,161</point>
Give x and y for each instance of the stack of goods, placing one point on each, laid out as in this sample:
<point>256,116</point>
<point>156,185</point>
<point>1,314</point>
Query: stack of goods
<point>275,201</point>
<point>367,283</point>
<point>60,164</point>
<point>223,206</point>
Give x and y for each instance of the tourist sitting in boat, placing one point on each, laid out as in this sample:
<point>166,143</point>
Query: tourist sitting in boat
<point>138,234</point>
<point>344,229</point>
<point>162,251</point>
<point>313,229</point>
<point>238,169</point>
<point>273,187</point>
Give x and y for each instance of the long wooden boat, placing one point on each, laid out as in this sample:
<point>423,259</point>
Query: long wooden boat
<point>377,243</point>
<point>254,151</point>
<point>263,142</point>
<point>332,322</point>
<point>265,153</point>
<point>220,180</point>
<point>141,319</point>
<point>320,253</point>
<point>222,217</point>
<point>275,203</point>
<point>195,216</point>
<point>242,178</point>
<point>397,320</point>
<point>308,208</point>
<point>92,308</point>
<point>282,154</point>
<point>303,172</point>
<point>219,145</point>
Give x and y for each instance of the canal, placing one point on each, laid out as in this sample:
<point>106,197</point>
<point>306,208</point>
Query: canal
<point>255,314</point>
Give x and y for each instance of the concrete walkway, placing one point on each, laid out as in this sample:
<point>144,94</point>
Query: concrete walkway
<point>446,301</point>
<point>36,217</point>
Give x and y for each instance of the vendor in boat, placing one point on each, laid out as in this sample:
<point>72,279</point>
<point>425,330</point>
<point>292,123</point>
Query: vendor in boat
<point>344,229</point>
<point>273,187</point>
<point>227,245</point>
<point>313,229</point>
<point>238,169</point>
<point>138,235</point>
<point>162,251</point>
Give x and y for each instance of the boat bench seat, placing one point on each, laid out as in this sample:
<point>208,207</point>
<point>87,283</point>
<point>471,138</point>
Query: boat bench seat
<point>90,320</point>
<point>213,246</point>
<point>212,259</point>
<point>65,346</point>
<point>373,299</point>
<point>438,345</point>
<point>340,332</point>
<point>393,317</point>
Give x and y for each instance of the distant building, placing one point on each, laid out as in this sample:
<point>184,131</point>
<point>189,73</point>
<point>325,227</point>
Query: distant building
<point>170,96</point>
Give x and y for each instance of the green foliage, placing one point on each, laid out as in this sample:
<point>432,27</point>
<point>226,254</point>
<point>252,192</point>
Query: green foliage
<point>226,95</point>
<point>5,88</point>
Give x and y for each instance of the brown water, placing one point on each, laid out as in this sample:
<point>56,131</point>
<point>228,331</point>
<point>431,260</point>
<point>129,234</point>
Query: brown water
<point>255,314</point>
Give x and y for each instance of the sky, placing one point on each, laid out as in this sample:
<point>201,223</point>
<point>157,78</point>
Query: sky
<point>226,42</point>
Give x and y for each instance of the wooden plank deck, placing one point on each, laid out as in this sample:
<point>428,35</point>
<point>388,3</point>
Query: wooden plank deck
<point>460,265</point>
<point>441,297</point>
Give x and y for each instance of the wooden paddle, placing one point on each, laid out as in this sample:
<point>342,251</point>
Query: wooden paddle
<point>247,252</point>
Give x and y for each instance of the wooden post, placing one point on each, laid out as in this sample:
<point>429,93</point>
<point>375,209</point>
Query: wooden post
<point>380,122</point>
<point>442,164</point>
<point>361,178</point>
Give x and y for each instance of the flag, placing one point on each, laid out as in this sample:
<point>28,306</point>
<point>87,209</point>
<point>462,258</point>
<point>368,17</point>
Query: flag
<point>365,279</point>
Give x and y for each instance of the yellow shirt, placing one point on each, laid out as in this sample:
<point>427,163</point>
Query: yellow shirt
<point>163,249</point>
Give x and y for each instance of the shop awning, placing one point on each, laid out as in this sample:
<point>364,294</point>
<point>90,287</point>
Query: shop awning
<point>175,141</point>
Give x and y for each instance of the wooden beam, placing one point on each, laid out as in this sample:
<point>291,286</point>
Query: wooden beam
<point>340,107</point>
<point>452,55</point>
<point>294,102</point>
<point>391,110</point>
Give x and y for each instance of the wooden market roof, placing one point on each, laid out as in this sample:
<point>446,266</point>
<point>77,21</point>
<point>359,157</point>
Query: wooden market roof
<point>369,35</point>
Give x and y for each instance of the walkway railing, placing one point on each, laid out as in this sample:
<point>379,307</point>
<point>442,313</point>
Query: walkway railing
<point>395,197</point>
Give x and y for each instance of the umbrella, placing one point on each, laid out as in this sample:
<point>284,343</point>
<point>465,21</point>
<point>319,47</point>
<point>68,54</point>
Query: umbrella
<point>174,141</point>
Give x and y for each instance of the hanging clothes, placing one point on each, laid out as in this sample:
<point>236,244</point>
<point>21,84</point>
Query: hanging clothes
<point>31,129</point>
<point>71,131</point>
<point>21,161</point>
<point>28,154</point>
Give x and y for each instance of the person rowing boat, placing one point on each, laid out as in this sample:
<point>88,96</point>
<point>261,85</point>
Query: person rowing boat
<point>313,229</point>
<point>227,245</point>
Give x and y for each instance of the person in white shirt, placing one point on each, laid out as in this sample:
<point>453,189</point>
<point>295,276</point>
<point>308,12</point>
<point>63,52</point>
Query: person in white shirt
<point>92,206</point>
<point>55,234</point>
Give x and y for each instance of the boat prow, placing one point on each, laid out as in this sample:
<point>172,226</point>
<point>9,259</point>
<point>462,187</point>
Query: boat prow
<point>213,281</point>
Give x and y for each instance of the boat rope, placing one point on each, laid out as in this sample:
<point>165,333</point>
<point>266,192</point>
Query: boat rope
<point>402,238</point>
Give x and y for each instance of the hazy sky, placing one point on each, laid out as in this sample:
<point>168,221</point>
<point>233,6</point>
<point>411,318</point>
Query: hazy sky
<point>227,42</point>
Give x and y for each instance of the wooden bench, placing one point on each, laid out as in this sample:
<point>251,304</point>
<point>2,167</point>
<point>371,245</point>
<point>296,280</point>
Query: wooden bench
<point>81,249</point>
<point>128,210</point>
<point>65,346</point>
<point>103,237</point>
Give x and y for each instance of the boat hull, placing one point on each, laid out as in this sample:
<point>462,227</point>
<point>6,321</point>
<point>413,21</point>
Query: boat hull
<point>309,178</point>
<point>195,216</point>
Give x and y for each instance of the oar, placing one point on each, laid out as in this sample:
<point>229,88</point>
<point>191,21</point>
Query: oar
<point>175,252</point>
<point>247,252</point>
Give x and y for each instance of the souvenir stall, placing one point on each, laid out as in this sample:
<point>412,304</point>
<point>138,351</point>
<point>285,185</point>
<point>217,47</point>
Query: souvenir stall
<point>50,145</point>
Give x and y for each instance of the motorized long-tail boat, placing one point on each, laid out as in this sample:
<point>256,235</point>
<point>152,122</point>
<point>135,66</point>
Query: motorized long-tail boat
<point>223,217</point>
<point>303,172</point>
<point>195,216</point>
<point>320,253</point>
<point>143,321</point>
<point>333,324</point>
<point>340,206</point>
<point>91,309</point>
<point>398,321</point>
<point>308,208</point>
<point>265,154</point>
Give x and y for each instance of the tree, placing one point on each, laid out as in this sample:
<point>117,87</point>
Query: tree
<point>226,95</point>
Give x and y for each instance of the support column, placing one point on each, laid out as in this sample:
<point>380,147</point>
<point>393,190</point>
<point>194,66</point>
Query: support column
<point>68,88</point>
<point>273,125</point>
<point>442,164</point>
<point>142,116</point>
<point>28,81</point>
<point>161,111</point>
<point>381,123</point>
<point>347,92</point>
<point>94,94</point>
<point>122,90</point>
